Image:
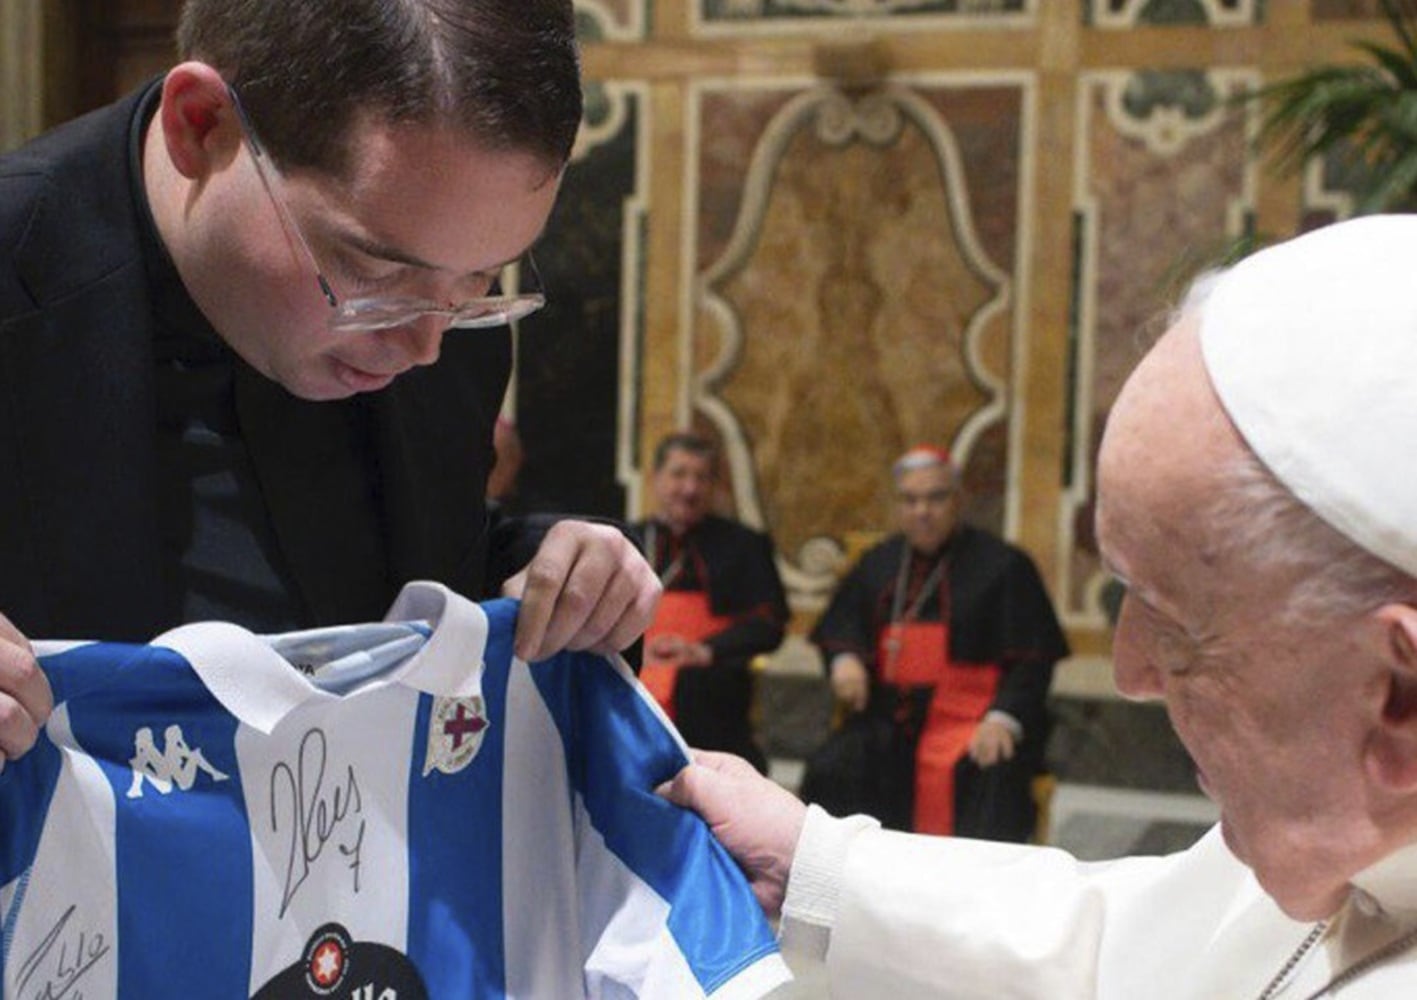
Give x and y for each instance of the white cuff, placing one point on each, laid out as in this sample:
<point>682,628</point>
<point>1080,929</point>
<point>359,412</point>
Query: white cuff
<point>814,882</point>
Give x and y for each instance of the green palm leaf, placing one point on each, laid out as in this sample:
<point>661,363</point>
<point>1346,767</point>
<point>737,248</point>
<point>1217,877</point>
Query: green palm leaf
<point>1365,113</point>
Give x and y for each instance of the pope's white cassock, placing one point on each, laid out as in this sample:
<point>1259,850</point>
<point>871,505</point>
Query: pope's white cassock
<point>901,917</point>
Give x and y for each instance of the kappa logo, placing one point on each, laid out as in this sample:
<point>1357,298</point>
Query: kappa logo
<point>176,764</point>
<point>456,727</point>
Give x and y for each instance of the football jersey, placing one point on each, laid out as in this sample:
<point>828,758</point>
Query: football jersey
<point>385,812</point>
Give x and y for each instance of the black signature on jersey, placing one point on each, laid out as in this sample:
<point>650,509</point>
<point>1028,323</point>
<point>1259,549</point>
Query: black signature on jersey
<point>64,955</point>
<point>313,815</point>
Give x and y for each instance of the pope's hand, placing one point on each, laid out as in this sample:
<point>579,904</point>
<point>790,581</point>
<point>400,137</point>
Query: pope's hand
<point>587,587</point>
<point>756,820</point>
<point>25,698</point>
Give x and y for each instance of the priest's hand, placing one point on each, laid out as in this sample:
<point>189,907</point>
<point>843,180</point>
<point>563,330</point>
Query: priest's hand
<point>25,698</point>
<point>851,683</point>
<point>991,743</point>
<point>755,819</point>
<point>587,587</point>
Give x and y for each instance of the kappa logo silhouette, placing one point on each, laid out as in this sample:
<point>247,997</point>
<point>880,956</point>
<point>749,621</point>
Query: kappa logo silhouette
<point>176,764</point>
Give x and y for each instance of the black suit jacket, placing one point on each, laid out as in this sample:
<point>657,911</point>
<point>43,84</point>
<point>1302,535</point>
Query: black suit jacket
<point>80,552</point>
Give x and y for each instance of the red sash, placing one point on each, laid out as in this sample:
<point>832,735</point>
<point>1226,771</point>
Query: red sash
<point>915,654</point>
<point>684,613</point>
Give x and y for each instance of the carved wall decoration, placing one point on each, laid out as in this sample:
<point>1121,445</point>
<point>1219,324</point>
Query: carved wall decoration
<point>854,308</point>
<point>1164,182</point>
<point>611,20</point>
<point>1216,13</point>
<point>791,15</point>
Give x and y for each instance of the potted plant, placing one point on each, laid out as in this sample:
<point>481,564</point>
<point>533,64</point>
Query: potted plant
<point>1364,114</point>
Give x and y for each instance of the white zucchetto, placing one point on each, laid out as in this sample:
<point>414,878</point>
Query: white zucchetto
<point>1312,348</point>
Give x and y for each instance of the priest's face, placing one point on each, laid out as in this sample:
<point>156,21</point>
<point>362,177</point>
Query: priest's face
<point>1270,712</point>
<point>425,214</point>
<point>927,506</point>
<point>683,488</point>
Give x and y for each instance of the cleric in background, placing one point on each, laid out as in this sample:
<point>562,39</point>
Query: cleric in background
<point>942,642</point>
<point>723,603</point>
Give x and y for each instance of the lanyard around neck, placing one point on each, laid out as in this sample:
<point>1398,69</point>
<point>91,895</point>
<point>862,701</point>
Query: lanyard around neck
<point>902,580</point>
<point>671,572</point>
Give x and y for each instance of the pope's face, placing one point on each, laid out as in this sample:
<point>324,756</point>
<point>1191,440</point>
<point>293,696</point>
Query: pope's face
<point>683,488</point>
<point>425,213</point>
<point>1267,709</point>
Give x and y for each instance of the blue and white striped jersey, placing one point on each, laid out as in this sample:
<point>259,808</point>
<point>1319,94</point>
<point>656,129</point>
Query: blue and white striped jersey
<point>203,819</point>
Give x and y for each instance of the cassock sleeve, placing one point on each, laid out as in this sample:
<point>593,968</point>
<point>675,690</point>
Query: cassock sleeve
<point>1030,640</point>
<point>760,603</point>
<point>846,626</point>
<point>1000,614</point>
<point>912,917</point>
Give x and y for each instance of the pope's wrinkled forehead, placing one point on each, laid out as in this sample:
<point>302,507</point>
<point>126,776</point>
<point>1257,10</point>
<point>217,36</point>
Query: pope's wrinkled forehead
<point>1311,346</point>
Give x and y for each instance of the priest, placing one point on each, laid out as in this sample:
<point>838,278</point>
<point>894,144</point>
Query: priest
<point>723,603</point>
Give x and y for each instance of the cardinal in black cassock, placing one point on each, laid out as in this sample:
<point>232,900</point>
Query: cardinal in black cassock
<point>723,604</point>
<point>941,642</point>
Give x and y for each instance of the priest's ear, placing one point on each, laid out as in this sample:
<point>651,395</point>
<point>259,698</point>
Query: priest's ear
<point>1391,754</point>
<point>199,123</point>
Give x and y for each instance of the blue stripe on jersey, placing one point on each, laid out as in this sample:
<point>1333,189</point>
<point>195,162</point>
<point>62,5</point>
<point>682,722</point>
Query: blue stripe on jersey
<point>183,858</point>
<point>25,794</point>
<point>455,851</point>
<point>714,917</point>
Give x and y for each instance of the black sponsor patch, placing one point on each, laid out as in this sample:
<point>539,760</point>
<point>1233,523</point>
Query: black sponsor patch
<point>334,965</point>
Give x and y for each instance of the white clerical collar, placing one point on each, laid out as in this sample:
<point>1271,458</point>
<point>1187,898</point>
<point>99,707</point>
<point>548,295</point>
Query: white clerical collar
<point>1390,885</point>
<point>260,687</point>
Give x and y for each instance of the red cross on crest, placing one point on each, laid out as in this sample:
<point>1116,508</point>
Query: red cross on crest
<point>461,726</point>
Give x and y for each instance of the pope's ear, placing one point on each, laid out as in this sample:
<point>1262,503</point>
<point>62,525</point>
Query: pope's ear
<point>1392,749</point>
<point>197,119</point>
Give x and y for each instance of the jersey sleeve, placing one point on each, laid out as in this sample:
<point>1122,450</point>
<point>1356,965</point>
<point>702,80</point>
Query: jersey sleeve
<point>664,910</point>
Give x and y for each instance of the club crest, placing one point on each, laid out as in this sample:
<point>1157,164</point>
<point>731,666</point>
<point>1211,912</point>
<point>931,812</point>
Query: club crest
<point>456,727</point>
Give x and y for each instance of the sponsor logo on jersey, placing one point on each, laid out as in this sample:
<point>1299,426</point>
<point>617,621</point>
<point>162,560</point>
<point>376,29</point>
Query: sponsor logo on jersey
<point>455,730</point>
<point>334,964</point>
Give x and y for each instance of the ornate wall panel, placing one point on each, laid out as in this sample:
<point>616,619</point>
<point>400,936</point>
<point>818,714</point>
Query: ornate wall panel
<point>794,15</point>
<point>1164,185</point>
<point>848,303</point>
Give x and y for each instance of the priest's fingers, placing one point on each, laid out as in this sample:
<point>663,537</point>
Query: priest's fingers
<point>626,607</point>
<point>577,566</point>
<point>25,697</point>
